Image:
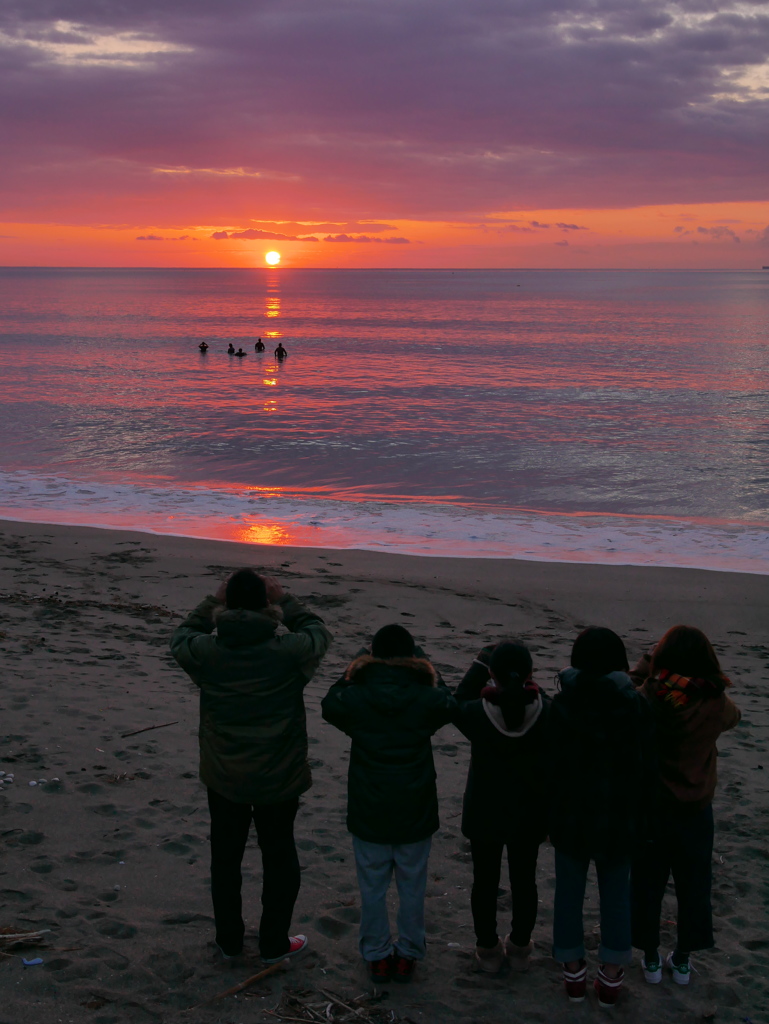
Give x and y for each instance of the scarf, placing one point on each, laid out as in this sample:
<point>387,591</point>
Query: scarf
<point>682,690</point>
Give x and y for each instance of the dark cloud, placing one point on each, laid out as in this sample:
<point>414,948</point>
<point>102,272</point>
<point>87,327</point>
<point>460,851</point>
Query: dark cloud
<point>163,238</point>
<point>720,233</point>
<point>343,111</point>
<point>571,227</point>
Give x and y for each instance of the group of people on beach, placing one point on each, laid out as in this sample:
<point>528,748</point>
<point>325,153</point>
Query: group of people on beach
<point>280,352</point>
<point>618,768</point>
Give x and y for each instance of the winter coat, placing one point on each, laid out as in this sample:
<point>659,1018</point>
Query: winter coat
<point>390,709</point>
<point>506,792</point>
<point>686,738</point>
<point>253,733</point>
<point>602,766</point>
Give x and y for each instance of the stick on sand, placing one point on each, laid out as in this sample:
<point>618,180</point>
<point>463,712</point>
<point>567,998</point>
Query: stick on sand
<point>147,728</point>
<point>273,969</point>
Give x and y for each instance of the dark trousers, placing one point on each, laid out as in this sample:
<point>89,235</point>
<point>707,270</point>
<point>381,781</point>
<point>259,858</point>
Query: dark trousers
<point>230,824</point>
<point>487,867</point>
<point>682,846</point>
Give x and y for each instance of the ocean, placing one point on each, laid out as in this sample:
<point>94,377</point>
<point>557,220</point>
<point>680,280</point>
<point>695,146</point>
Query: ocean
<point>589,416</point>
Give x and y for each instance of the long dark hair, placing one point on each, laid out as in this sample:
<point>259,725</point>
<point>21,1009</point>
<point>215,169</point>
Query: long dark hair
<point>686,651</point>
<point>511,665</point>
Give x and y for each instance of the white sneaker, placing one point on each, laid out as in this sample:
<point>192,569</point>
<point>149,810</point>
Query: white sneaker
<point>680,972</point>
<point>652,971</point>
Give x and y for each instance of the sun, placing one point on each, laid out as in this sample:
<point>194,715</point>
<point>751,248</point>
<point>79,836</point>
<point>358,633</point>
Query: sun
<point>273,258</point>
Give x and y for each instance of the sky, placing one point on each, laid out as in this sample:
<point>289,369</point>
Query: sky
<point>385,133</point>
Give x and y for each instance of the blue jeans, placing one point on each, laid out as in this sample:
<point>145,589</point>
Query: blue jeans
<point>375,863</point>
<point>614,892</point>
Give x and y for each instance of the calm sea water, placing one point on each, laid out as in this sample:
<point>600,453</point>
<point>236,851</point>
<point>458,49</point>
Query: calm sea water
<point>611,416</point>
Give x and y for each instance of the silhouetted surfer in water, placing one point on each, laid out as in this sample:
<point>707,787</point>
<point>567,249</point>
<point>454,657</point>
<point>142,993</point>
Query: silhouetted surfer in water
<point>259,346</point>
<point>203,347</point>
<point>241,353</point>
<point>231,350</point>
<point>280,352</point>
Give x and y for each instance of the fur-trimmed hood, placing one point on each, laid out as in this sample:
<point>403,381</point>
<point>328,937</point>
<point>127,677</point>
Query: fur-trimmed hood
<point>420,666</point>
<point>239,627</point>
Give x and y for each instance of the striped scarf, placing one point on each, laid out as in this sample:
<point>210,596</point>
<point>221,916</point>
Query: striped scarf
<point>681,690</point>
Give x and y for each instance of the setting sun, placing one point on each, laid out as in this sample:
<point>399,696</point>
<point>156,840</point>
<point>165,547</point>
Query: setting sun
<point>273,258</point>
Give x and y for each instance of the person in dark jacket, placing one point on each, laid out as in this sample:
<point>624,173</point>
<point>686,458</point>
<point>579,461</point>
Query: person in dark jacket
<point>390,702</point>
<point>602,771</point>
<point>253,743</point>
<point>685,687</point>
<point>503,713</point>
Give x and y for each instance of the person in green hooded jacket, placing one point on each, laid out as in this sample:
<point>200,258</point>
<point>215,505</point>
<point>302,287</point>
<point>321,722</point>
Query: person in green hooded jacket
<point>390,702</point>
<point>253,743</point>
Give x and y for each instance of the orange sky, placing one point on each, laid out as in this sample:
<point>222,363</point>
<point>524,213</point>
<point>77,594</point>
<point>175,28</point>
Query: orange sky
<point>728,235</point>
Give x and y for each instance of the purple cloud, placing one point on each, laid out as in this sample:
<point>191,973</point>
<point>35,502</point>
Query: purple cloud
<point>164,238</point>
<point>719,233</point>
<point>343,111</point>
<point>366,238</point>
<point>257,233</point>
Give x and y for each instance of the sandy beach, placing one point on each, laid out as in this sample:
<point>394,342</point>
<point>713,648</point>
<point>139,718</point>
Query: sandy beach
<point>108,850</point>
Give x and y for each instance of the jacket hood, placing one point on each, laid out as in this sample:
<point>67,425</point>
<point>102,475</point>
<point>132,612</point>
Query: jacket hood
<point>420,666</point>
<point>239,627</point>
<point>391,684</point>
<point>497,719</point>
<point>571,678</point>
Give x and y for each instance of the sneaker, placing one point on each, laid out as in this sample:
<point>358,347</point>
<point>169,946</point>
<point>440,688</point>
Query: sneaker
<point>520,956</point>
<point>575,983</point>
<point>652,970</point>
<point>608,988</point>
<point>229,952</point>
<point>680,972</point>
<point>403,967</point>
<point>381,970</point>
<point>297,943</point>
<point>490,960</point>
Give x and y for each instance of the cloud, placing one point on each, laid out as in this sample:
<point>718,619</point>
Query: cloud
<point>719,234</point>
<point>342,112</point>
<point>274,236</point>
<point>536,224</point>
<point>366,238</point>
<point>571,227</point>
<point>164,238</point>
<point>563,242</point>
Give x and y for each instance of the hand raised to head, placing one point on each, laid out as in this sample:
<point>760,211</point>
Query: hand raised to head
<point>275,591</point>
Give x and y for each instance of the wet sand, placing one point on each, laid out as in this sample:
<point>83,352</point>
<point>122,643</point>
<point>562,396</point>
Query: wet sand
<point>112,857</point>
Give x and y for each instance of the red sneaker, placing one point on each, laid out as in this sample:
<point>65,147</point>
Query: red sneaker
<point>404,967</point>
<point>296,943</point>
<point>575,983</point>
<point>608,988</point>
<point>381,970</point>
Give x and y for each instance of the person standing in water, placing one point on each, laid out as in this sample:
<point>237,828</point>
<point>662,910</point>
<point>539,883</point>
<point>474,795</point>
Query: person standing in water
<point>203,347</point>
<point>280,352</point>
<point>259,346</point>
<point>231,350</point>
